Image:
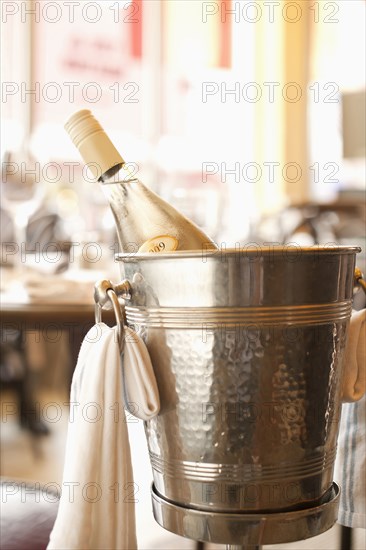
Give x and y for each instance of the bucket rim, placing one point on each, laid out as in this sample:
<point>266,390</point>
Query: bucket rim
<point>250,250</point>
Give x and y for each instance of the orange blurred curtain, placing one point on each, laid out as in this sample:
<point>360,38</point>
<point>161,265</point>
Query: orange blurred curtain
<point>297,59</point>
<point>282,55</point>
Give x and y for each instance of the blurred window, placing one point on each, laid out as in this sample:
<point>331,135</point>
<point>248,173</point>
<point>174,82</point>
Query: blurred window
<point>197,93</point>
<point>338,67</point>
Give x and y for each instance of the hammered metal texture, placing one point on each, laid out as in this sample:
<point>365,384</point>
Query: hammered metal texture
<point>249,411</point>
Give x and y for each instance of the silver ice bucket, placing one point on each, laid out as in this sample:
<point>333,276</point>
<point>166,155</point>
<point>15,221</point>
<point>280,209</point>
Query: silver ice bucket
<point>248,348</point>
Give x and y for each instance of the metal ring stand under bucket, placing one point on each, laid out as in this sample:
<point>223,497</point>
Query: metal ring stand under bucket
<point>247,348</point>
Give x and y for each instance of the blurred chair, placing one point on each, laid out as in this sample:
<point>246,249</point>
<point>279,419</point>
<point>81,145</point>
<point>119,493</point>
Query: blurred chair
<point>314,223</point>
<point>15,373</point>
<point>28,513</point>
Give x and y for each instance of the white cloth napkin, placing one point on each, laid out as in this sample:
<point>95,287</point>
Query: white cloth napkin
<point>94,512</point>
<point>354,379</point>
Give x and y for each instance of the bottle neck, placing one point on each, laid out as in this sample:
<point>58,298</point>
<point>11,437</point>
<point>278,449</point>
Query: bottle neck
<point>121,173</point>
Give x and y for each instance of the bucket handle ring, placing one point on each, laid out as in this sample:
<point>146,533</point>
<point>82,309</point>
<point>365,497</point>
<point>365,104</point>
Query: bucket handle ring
<point>106,292</point>
<point>359,279</point>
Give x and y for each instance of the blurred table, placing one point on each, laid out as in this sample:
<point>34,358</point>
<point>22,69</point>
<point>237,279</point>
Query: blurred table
<point>44,303</point>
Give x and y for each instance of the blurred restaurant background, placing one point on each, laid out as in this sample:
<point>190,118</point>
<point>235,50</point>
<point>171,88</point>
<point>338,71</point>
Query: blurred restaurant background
<point>247,116</point>
<point>233,111</point>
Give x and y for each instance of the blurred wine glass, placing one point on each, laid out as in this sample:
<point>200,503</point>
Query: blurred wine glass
<point>22,194</point>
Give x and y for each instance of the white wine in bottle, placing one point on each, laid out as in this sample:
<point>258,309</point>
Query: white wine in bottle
<point>145,222</point>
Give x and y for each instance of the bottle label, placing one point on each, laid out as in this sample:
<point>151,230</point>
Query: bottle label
<point>161,243</point>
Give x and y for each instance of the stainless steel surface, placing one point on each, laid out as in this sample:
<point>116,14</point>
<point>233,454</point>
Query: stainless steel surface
<point>243,529</point>
<point>247,347</point>
<point>240,547</point>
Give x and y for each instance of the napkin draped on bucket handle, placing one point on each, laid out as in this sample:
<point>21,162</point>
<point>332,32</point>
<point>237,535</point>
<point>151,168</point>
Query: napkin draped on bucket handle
<point>94,512</point>
<point>350,464</point>
<point>354,378</point>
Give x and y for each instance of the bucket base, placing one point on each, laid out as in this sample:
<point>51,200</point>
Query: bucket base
<point>247,528</point>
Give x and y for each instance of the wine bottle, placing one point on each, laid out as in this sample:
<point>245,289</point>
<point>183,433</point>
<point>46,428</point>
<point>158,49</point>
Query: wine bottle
<point>144,221</point>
